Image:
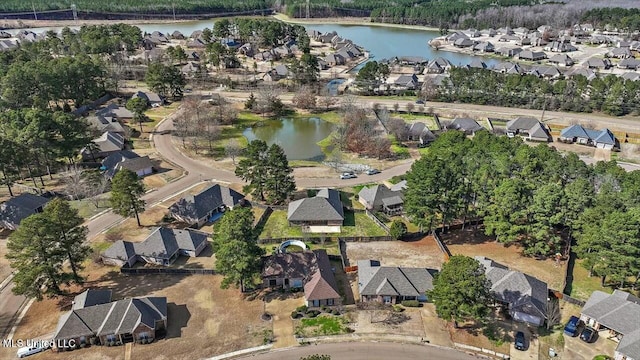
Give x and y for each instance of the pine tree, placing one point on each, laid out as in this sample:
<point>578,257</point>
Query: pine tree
<point>71,236</point>
<point>33,252</point>
<point>279,183</point>
<point>252,169</point>
<point>126,193</point>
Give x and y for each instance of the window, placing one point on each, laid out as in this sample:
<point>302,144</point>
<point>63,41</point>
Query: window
<point>386,299</point>
<point>144,335</point>
<point>272,282</point>
<point>316,303</point>
<point>111,338</point>
<point>329,302</point>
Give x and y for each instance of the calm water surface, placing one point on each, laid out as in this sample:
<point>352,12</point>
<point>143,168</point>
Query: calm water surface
<point>297,137</point>
<point>381,42</point>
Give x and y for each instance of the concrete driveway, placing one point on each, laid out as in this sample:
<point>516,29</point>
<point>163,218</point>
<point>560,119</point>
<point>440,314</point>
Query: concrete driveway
<point>532,344</point>
<point>574,348</point>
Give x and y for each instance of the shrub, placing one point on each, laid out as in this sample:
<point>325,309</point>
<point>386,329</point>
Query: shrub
<point>410,303</point>
<point>296,315</point>
<point>397,229</point>
<point>313,313</point>
<point>302,308</point>
<point>398,308</point>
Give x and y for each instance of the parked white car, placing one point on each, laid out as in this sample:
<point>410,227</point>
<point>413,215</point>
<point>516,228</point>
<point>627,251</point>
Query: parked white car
<point>347,175</point>
<point>31,350</point>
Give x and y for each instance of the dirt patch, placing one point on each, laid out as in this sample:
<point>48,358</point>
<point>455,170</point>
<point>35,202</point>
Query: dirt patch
<point>280,308</point>
<point>435,329</point>
<point>5,269</point>
<point>474,243</point>
<point>203,320</point>
<point>421,253</point>
<point>387,321</point>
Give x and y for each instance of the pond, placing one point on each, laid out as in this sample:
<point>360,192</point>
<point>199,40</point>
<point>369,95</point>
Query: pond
<point>297,137</point>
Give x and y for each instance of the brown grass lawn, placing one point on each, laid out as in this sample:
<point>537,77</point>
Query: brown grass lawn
<point>203,320</point>
<point>421,253</point>
<point>475,337</point>
<point>476,244</point>
<point>5,269</point>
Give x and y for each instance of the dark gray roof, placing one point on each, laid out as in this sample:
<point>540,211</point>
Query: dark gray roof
<point>619,311</point>
<point>115,110</point>
<point>136,164</point>
<point>522,123</point>
<point>201,204</point>
<point>326,205</point>
<point>162,243</point>
<point>118,317</point>
<point>524,293</point>
<point>121,250</point>
<point>105,123</point>
<point>630,344</point>
<point>16,209</point>
<point>417,128</point>
<point>466,125</point>
<point>296,265</point>
<point>90,298</point>
<point>110,163</point>
<point>376,195</point>
<point>374,279</point>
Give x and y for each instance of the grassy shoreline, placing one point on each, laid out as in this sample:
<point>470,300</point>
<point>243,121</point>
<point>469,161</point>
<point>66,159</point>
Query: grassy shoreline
<point>356,21</point>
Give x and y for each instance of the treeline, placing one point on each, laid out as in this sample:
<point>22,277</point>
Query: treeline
<point>531,196</point>
<point>610,94</point>
<point>138,6</point>
<point>627,19</point>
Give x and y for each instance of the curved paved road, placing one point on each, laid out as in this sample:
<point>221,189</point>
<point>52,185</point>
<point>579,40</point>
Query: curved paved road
<point>365,351</point>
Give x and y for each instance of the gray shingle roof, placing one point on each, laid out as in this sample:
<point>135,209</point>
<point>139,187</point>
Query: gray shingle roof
<point>524,293</point>
<point>326,205</point>
<point>105,123</point>
<point>603,136</point>
<point>109,141</point>
<point>201,204</point>
<point>16,209</point>
<point>121,250</point>
<point>375,195</point>
<point>376,280</point>
<point>466,125</point>
<point>91,298</point>
<point>136,164</point>
<point>118,317</point>
<point>522,123</point>
<point>115,110</point>
<point>289,265</point>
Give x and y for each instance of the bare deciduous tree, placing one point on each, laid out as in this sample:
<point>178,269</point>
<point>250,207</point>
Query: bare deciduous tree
<point>233,150</point>
<point>305,98</point>
<point>410,107</point>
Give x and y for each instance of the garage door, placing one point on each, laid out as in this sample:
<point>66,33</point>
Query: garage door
<point>520,316</point>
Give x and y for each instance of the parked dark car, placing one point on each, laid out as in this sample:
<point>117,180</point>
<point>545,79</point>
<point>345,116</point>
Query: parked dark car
<point>420,102</point>
<point>571,328</point>
<point>588,335</point>
<point>372,171</point>
<point>519,342</point>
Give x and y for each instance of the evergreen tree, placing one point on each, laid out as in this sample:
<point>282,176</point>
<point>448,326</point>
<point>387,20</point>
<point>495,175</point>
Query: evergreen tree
<point>138,106</point>
<point>126,193</point>
<point>33,252</point>
<point>235,245</point>
<point>253,168</point>
<point>279,184</point>
<point>71,234</point>
<point>461,290</point>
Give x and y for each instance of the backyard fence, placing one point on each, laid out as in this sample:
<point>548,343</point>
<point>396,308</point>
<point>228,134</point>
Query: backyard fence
<point>327,239</point>
<point>144,271</point>
<point>263,218</point>
<point>570,300</point>
<point>375,219</point>
<point>441,245</point>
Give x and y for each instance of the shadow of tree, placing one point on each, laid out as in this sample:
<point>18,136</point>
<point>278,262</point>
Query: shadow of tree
<point>178,317</point>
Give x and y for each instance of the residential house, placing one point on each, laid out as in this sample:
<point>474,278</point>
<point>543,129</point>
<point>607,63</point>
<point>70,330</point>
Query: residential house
<point>322,213</point>
<point>381,198</point>
<point>619,315</point>
<point>5,35</point>
<point>162,247</point>
<point>111,322</point>
<point>620,53</point>
<point>629,63</point>
<point>602,139</point>
<point>400,186</point>
<point>632,76</point>
<point>153,99</point>
<point>559,46</point>
<point>334,59</point>
<point>177,35</point>
<point>473,33</point>
<point>105,123</point>
<point>510,52</point>
<point>116,111</point>
<point>549,72</point>
<point>597,63</point>
<point>105,145</point>
<point>411,60</point>
<point>309,270</point>
<point>91,298</point>
<point>586,72</point>
<point>508,38</point>
<point>418,131</point>
<point>484,47</point>
<point>452,38</point>
<point>525,296</point>
<point>265,56</point>
<point>561,60</point>
<point>467,125</point>
<point>407,82</point>
<point>197,44</point>
<point>477,63</point>
<point>193,56</point>
<point>392,285</point>
<point>17,208</point>
<point>190,68</point>
<point>463,43</point>
<point>505,31</point>
<point>528,128</point>
<point>205,206</point>
<point>532,55</point>
<point>247,50</point>
<point>438,65</point>
<point>129,160</point>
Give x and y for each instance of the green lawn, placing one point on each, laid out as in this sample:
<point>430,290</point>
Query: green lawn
<point>582,285</point>
<point>322,325</point>
<point>400,151</point>
<point>355,224</point>
<point>428,120</point>
<point>86,208</point>
<point>100,246</point>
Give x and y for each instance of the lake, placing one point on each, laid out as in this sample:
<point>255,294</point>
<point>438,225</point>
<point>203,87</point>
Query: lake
<point>297,137</point>
<point>382,42</point>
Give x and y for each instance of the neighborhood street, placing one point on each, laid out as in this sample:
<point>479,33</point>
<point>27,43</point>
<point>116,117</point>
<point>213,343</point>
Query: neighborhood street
<point>365,351</point>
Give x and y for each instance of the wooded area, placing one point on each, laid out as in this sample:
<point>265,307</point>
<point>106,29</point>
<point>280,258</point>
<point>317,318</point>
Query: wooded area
<point>534,197</point>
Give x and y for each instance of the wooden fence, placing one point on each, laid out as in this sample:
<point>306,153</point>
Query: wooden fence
<point>171,271</point>
<point>441,245</point>
<point>327,239</point>
<point>375,219</point>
